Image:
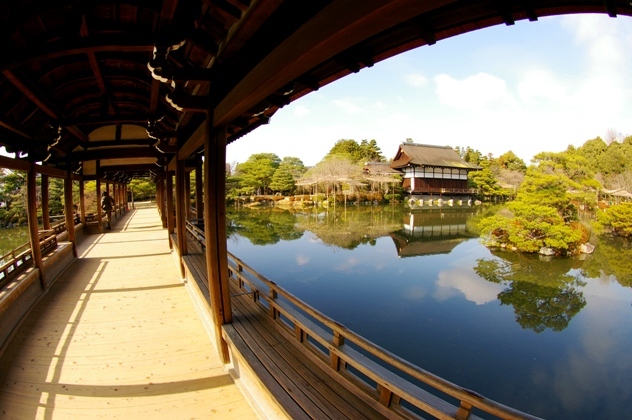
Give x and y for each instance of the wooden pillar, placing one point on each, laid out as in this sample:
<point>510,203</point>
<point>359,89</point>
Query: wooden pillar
<point>82,201</point>
<point>31,213</point>
<point>160,199</point>
<point>70,213</point>
<point>187,194</point>
<point>215,230</point>
<point>45,201</point>
<point>181,213</point>
<point>169,206</point>
<point>99,211</point>
<point>199,193</point>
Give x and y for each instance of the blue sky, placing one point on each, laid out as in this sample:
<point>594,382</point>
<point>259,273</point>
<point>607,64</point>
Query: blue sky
<point>528,88</point>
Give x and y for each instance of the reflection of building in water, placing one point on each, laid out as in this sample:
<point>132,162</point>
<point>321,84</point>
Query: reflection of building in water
<point>431,232</point>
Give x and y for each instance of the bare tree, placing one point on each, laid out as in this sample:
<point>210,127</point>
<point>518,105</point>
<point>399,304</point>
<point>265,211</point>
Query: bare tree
<point>613,135</point>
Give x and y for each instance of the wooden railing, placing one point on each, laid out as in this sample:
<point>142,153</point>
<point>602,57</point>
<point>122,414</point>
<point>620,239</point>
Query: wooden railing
<point>15,261</point>
<point>196,230</point>
<point>389,380</point>
<point>433,190</point>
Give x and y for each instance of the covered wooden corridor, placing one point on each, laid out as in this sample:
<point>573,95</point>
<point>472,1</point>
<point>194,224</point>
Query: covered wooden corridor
<point>117,336</point>
<point>108,91</point>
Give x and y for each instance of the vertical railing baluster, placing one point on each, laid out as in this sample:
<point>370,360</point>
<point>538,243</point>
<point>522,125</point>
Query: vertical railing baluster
<point>334,360</point>
<point>464,411</point>
<point>273,310</point>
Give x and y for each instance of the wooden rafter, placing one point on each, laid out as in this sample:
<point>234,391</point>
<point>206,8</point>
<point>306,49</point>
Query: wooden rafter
<point>39,99</point>
<point>129,43</point>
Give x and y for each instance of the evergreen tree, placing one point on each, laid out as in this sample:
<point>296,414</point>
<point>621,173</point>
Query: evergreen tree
<point>256,173</point>
<point>283,180</point>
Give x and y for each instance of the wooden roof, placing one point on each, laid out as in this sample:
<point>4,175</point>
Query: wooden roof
<point>428,155</point>
<point>123,85</point>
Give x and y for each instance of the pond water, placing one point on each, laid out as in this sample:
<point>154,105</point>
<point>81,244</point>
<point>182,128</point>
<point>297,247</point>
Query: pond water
<point>13,238</point>
<point>548,337</point>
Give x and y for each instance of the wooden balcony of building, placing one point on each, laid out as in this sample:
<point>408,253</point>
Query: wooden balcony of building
<point>117,336</point>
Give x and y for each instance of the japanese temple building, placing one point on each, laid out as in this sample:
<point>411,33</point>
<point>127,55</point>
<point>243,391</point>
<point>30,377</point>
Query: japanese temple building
<point>431,169</point>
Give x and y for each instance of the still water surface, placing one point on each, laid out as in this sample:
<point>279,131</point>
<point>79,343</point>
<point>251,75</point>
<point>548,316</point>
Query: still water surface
<point>551,338</point>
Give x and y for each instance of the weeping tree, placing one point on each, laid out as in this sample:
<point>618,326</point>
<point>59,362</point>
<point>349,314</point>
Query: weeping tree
<point>332,173</point>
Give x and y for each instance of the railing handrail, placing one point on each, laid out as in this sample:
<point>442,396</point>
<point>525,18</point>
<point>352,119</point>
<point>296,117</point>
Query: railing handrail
<point>468,399</point>
<point>48,241</point>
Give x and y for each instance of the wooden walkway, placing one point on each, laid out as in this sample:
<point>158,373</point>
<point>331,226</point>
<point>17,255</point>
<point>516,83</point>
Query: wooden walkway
<point>118,337</point>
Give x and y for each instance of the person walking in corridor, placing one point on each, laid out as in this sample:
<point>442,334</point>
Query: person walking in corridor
<point>107,204</point>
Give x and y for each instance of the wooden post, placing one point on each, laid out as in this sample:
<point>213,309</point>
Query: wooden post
<point>334,359</point>
<point>82,200</point>
<point>99,215</point>
<point>45,201</point>
<point>158,193</point>
<point>116,200</point>
<point>159,199</point>
<point>161,202</point>
<point>70,213</point>
<point>181,213</point>
<point>215,230</point>
<point>187,194</point>
<point>199,193</point>
<point>31,213</point>
<point>169,212</point>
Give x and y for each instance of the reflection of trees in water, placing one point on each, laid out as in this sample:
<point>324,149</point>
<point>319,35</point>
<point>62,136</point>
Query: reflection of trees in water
<point>351,227</point>
<point>542,293</point>
<point>612,258</point>
<point>343,227</point>
<point>263,226</point>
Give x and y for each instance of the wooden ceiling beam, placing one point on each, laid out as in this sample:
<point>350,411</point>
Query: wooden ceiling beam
<point>123,142</point>
<point>94,64</point>
<point>611,8</point>
<point>81,45</point>
<point>32,93</point>
<point>339,26</point>
<point>167,14</point>
<point>17,130</point>
<point>138,119</point>
<point>504,9</point>
<point>240,4</point>
<point>120,153</point>
<point>130,168</point>
<point>39,99</point>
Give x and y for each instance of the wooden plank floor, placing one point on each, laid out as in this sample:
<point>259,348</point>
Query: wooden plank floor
<point>304,388</point>
<point>117,337</point>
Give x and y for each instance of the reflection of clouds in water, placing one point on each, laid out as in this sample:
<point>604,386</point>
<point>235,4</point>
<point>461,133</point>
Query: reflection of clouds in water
<point>379,266</point>
<point>595,376</point>
<point>348,264</point>
<point>415,293</point>
<point>302,260</point>
<point>613,290</point>
<point>475,289</point>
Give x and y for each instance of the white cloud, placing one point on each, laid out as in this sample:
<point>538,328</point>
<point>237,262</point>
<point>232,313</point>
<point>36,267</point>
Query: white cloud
<point>605,87</point>
<point>347,105</point>
<point>300,111</point>
<point>474,93</point>
<point>474,288</point>
<point>540,84</point>
<point>417,80</point>
<point>379,105</point>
